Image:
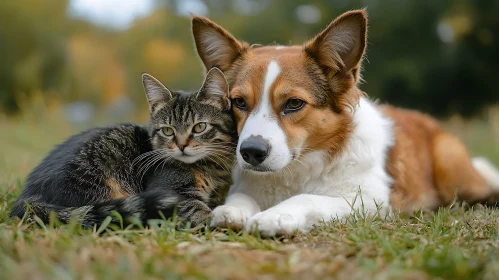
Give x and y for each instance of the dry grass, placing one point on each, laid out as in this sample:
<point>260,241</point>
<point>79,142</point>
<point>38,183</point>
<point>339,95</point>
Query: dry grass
<point>453,243</point>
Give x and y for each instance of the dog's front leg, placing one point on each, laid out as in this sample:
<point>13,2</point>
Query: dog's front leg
<point>236,211</point>
<point>298,214</point>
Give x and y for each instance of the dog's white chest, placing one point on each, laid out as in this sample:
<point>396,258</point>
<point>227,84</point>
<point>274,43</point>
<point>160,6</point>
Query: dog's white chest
<point>311,175</point>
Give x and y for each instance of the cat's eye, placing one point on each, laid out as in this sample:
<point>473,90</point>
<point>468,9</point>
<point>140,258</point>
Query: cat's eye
<point>167,131</point>
<point>293,105</point>
<point>200,127</point>
<point>240,103</point>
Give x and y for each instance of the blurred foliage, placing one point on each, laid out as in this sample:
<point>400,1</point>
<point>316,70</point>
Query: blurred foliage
<point>437,56</point>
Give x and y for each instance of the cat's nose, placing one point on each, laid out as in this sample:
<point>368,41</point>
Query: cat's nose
<point>254,150</point>
<point>181,147</point>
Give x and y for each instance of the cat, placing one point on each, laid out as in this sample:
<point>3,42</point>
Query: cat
<point>181,160</point>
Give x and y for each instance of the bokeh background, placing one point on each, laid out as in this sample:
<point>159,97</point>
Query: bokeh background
<point>69,64</point>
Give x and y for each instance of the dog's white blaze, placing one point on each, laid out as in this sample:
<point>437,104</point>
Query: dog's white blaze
<point>262,121</point>
<point>273,71</point>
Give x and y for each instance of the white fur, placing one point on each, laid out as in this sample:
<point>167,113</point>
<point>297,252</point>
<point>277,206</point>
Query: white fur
<point>488,171</point>
<point>313,188</point>
<point>236,213</point>
<point>188,155</point>
<point>263,122</point>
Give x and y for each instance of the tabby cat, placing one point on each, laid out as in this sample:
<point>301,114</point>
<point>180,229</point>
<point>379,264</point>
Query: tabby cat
<point>181,159</point>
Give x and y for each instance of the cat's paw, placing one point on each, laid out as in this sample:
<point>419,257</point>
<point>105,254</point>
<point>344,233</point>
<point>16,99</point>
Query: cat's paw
<point>194,211</point>
<point>276,222</point>
<point>226,216</point>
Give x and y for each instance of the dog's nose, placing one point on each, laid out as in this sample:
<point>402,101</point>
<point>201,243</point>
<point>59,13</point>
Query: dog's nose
<point>254,150</point>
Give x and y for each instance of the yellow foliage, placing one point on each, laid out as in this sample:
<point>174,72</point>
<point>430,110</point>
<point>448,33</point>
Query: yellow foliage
<point>162,58</point>
<point>97,67</point>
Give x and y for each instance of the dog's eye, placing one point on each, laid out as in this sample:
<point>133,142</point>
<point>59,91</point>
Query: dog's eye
<point>200,127</point>
<point>240,103</point>
<point>293,105</point>
<point>167,131</point>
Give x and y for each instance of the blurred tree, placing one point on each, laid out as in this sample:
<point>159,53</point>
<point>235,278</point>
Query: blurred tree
<point>32,38</point>
<point>440,56</point>
<point>160,45</point>
<point>97,71</point>
<point>436,56</point>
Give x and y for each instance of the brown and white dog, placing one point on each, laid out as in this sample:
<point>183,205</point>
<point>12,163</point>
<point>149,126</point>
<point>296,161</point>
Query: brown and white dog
<point>312,147</point>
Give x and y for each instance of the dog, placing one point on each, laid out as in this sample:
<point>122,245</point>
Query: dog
<point>313,147</point>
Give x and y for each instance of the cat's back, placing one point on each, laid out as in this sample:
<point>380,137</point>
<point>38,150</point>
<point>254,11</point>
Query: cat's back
<point>83,144</point>
<point>86,160</point>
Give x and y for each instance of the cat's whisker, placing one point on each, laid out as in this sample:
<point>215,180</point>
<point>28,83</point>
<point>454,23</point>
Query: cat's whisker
<point>222,142</point>
<point>152,154</point>
<point>221,165</point>
<point>231,149</point>
<point>165,160</point>
<point>222,152</point>
<point>147,154</point>
<point>148,164</point>
<point>142,171</point>
<point>152,163</point>
<point>219,154</point>
<point>142,160</point>
<point>230,143</point>
<point>148,159</point>
<point>219,150</point>
<point>227,161</point>
<point>226,166</point>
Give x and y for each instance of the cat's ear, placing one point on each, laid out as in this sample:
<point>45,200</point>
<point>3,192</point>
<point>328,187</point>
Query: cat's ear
<point>156,92</point>
<point>215,89</point>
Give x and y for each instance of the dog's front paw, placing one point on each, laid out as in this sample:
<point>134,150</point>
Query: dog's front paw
<point>275,222</point>
<point>226,216</point>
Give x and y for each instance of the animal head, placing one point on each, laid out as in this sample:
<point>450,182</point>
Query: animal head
<point>289,100</point>
<point>191,126</point>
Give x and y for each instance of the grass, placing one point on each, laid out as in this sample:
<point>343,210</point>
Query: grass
<point>452,243</point>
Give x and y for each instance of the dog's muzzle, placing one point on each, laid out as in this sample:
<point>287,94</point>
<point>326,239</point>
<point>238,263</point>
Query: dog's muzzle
<point>254,150</point>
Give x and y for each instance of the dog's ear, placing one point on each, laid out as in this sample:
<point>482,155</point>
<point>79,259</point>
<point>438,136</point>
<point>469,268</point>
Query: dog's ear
<point>215,89</point>
<point>156,93</point>
<point>216,47</point>
<point>341,45</point>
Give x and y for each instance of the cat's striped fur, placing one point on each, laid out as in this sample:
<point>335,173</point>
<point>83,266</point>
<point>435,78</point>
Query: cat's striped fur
<point>141,171</point>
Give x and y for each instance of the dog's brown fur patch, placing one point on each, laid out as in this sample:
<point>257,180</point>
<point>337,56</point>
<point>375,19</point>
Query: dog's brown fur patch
<point>429,166</point>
